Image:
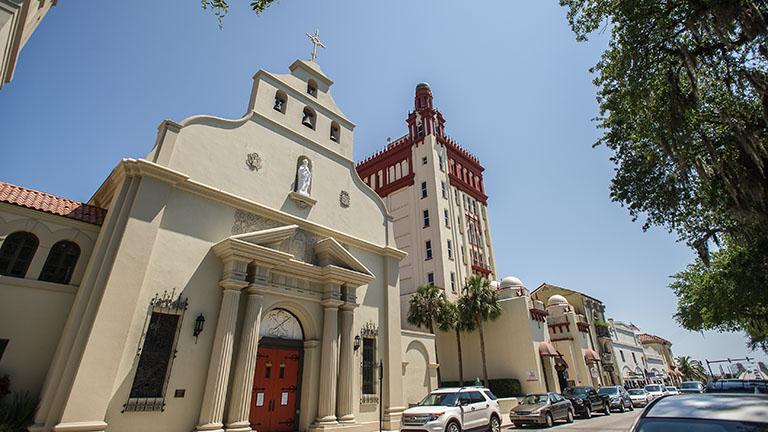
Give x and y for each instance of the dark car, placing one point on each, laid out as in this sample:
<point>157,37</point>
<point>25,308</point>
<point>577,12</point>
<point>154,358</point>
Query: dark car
<point>586,400</point>
<point>542,409</point>
<point>691,387</point>
<point>618,398</point>
<point>705,412</point>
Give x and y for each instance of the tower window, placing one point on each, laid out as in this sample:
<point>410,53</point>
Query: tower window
<point>335,132</point>
<point>426,218</point>
<point>420,130</point>
<point>61,262</point>
<point>444,188</point>
<point>281,101</point>
<point>450,249</point>
<point>308,118</point>
<point>453,282</point>
<point>312,87</point>
<point>447,218</point>
<point>16,253</point>
<point>431,279</point>
<point>424,160</point>
<point>428,249</point>
<point>423,189</point>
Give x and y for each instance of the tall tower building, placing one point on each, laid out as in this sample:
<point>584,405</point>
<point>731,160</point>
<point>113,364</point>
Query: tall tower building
<point>18,20</point>
<point>434,189</point>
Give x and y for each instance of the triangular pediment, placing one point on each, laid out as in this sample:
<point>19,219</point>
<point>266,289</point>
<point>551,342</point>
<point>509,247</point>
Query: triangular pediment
<point>330,252</point>
<point>272,237</point>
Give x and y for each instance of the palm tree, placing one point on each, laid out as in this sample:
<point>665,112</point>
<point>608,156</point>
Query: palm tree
<point>691,369</point>
<point>457,322</point>
<point>478,303</point>
<point>429,308</point>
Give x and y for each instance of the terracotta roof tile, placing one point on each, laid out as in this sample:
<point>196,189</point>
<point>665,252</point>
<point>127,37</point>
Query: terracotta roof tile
<point>52,204</point>
<point>649,338</point>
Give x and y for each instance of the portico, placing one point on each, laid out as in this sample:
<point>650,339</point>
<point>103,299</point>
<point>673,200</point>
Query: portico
<point>253,264</point>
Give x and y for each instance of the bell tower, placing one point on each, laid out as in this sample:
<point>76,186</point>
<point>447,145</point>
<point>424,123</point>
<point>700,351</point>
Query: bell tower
<point>424,119</point>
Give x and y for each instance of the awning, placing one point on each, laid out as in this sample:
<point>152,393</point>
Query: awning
<point>546,349</point>
<point>590,356</point>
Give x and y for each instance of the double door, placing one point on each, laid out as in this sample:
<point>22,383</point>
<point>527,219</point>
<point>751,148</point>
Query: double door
<point>274,401</point>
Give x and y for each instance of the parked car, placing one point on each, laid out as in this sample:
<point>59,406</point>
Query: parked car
<point>656,390</point>
<point>541,409</point>
<point>738,386</point>
<point>454,409</point>
<point>586,400</point>
<point>618,398</point>
<point>672,390</point>
<point>639,397</point>
<point>705,412</point>
<point>691,387</point>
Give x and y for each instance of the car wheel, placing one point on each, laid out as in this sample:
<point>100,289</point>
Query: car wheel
<point>550,421</point>
<point>587,412</point>
<point>494,425</point>
<point>631,406</point>
<point>569,417</point>
<point>622,408</point>
<point>453,427</point>
<point>606,409</point>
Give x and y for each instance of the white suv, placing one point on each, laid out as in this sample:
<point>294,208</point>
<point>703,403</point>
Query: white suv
<point>454,410</point>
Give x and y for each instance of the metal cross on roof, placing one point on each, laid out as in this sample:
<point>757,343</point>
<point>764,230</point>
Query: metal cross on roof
<point>315,38</point>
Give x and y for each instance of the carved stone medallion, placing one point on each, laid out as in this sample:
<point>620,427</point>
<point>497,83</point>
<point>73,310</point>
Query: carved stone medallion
<point>344,199</point>
<point>253,160</point>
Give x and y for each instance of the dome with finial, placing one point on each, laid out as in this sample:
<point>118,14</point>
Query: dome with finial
<point>557,300</point>
<point>422,85</point>
<point>511,282</point>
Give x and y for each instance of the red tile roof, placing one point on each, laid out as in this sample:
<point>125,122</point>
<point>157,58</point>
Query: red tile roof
<point>52,204</point>
<point>649,338</point>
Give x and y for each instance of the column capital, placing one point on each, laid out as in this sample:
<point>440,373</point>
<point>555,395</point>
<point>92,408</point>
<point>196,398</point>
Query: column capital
<point>348,307</point>
<point>232,284</point>
<point>331,303</point>
<point>255,289</point>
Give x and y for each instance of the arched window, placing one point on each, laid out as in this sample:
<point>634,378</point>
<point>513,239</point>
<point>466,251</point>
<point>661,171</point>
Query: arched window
<point>308,119</point>
<point>281,101</point>
<point>16,253</point>
<point>335,132</point>
<point>61,262</point>
<point>312,87</point>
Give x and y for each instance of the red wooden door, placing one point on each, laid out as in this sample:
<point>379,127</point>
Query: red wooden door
<point>275,390</point>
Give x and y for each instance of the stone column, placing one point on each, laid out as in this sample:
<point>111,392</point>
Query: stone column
<point>344,406</point>
<point>214,397</point>
<point>326,405</point>
<point>240,400</point>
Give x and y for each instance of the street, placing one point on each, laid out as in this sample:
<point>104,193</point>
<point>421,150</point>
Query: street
<point>616,422</point>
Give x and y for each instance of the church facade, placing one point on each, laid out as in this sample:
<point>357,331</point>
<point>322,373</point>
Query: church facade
<point>239,277</point>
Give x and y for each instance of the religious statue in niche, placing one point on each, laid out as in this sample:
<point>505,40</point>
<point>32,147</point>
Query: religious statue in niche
<point>303,177</point>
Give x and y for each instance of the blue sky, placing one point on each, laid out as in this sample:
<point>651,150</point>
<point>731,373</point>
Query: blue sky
<point>98,77</point>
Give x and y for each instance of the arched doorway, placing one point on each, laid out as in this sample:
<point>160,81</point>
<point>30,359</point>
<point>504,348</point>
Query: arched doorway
<point>277,378</point>
<point>562,372</point>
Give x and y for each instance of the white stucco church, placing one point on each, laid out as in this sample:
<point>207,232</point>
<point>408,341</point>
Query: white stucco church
<point>239,277</point>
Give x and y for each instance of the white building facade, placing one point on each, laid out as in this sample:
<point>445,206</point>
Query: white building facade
<point>629,353</point>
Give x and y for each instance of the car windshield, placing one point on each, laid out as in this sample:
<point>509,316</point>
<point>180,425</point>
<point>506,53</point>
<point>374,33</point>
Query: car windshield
<point>535,399</point>
<point>609,390</point>
<point>440,399</point>
<point>690,385</point>
<point>671,388</point>
<point>637,392</point>
<point>653,388</point>
<point>570,391</point>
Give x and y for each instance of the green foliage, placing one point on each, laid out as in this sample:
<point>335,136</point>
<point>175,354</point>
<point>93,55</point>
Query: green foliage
<point>692,370</point>
<point>428,308</point>
<point>601,323</point>
<point>16,412</point>
<point>729,294</point>
<point>479,302</point>
<point>220,8</point>
<point>683,93</point>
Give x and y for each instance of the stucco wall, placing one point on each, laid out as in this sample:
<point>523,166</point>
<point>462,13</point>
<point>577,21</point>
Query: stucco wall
<point>419,366</point>
<point>33,312</point>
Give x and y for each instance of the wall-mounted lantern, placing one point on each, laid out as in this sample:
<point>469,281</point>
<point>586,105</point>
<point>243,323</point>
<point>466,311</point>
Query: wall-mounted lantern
<point>357,343</point>
<point>199,324</point>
